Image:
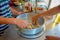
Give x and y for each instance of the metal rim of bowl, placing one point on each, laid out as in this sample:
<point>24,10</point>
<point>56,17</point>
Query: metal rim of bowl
<point>33,37</point>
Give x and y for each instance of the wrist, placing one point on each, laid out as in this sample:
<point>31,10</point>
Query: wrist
<point>11,20</point>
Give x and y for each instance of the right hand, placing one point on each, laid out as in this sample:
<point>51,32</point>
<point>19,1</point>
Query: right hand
<point>21,23</point>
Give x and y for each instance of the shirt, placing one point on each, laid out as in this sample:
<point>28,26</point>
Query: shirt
<point>5,12</point>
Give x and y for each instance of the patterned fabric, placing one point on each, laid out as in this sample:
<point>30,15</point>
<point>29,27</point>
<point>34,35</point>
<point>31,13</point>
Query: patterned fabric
<point>5,12</point>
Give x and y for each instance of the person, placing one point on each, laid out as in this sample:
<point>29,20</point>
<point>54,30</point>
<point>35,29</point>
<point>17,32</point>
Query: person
<point>52,38</point>
<point>55,32</point>
<point>50,12</point>
<point>5,16</point>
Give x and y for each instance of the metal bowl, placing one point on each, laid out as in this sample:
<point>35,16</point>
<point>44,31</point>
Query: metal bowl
<point>30,31</point>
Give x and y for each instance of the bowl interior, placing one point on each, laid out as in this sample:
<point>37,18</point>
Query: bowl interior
<point>25,17</point>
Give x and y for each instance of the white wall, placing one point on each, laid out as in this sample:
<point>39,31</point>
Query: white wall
<point>54,3</point>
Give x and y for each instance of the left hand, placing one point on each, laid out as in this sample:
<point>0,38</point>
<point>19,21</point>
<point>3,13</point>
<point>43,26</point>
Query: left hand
<point>52,38</point>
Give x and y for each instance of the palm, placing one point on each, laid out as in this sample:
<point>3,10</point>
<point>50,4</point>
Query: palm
<point>21,23</point>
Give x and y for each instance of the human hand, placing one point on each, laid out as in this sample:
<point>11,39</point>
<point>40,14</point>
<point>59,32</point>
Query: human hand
<point>52,38</point>
<point>21,23</point>
<point>34,20</point>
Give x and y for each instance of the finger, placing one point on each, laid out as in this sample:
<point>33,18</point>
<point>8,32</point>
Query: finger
<point>48,36</point>
<point>24,25</point>
<point>49,39</point>
<point>33,21</point>
<point>52,37</point>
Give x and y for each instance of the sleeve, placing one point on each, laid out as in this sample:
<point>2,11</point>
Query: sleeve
<point>10,3</point>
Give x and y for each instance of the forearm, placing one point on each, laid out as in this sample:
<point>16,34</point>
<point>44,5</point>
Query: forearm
<point>50,12</point>
<point>13,10</point>
<point>6,20</point>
